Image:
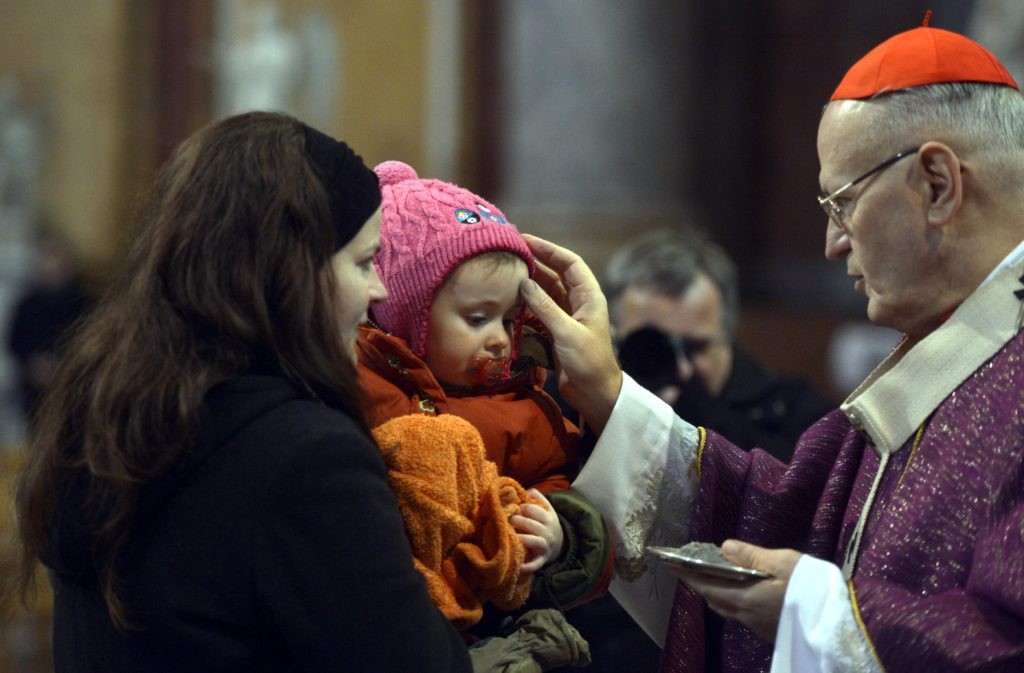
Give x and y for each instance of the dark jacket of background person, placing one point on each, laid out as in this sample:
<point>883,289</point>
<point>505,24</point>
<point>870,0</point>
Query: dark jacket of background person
<point>52,301</point>
<point>756,408</point>
<point>249,546</point>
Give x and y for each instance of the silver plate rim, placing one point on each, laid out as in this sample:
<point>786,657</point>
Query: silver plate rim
<point>726,570</point>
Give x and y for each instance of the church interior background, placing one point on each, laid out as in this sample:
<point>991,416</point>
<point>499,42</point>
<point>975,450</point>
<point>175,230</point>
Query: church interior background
<point>588,121</point>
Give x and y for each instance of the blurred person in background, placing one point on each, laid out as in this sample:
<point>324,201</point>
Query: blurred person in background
<point>673,298</point>
<point>52,300</point>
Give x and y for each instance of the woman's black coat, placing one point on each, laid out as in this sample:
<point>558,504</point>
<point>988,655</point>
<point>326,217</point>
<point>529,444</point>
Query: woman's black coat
<point>277,546</point>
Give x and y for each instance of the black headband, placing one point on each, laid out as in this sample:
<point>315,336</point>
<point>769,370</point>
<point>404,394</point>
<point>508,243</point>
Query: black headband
<point>353,191</point>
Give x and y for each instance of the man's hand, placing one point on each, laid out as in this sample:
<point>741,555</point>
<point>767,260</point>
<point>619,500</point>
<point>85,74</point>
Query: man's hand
<point>575,311</point>
<point>755,604</point>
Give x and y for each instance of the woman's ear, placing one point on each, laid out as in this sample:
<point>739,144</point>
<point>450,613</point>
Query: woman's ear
<point>942,170</point>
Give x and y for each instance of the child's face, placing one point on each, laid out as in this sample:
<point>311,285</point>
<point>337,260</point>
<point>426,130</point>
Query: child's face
<point>472,317</point>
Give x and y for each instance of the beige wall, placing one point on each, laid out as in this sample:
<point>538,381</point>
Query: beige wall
<point>385,58</point>
<point>70,63</point>
<point>380,105</point>
<point>90,69</point>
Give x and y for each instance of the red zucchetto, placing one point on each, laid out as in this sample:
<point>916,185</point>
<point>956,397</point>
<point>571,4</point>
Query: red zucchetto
<point>921,56</point>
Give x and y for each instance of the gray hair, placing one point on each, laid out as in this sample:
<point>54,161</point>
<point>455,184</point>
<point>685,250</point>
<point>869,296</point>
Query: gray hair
<point>667,261</point>
<point>986,120</point>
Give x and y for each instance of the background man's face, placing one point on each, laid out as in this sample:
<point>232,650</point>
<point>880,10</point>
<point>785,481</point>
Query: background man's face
<point>696,314</point>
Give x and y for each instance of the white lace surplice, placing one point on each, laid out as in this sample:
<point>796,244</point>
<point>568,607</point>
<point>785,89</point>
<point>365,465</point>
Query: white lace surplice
<point>641,477</point>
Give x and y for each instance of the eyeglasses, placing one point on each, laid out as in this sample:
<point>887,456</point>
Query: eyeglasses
<point>836,211</point>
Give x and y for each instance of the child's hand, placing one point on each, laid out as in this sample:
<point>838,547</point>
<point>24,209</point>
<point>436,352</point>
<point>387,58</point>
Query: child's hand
<point>540,531</point>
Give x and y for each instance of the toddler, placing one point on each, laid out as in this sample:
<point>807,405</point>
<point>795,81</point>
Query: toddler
<point>448,340</point>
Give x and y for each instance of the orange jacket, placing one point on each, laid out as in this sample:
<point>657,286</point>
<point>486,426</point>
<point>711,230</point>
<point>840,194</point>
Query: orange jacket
<point>456,510</point>
<point>523,429</point>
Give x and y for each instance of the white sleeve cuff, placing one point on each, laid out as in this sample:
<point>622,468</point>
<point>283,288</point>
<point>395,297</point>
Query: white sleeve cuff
<point>817,629</point>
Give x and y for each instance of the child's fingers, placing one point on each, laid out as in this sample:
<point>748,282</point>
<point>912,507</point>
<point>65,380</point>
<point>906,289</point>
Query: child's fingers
<point>525,524</point>
<point>531,566</point>
<point>538,498</point>
<point>537,551</point>
<point>537,513</point>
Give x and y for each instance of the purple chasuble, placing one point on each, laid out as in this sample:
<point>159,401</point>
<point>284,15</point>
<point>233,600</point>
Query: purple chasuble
<point>939,580</point>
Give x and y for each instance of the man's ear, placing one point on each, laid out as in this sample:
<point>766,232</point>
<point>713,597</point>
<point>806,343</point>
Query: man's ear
<point>941,168</point>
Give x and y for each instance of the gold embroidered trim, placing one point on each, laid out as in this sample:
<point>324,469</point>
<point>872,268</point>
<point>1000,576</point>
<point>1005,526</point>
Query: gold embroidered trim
<point>860,623</point>
<point>703,434</point>
<point>913,452</point>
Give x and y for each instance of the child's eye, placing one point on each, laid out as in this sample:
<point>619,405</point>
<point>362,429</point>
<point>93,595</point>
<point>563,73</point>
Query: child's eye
<point>476,320</point>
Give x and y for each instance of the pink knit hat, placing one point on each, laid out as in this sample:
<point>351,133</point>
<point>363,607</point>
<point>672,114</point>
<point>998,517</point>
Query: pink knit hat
<point>428,228</point>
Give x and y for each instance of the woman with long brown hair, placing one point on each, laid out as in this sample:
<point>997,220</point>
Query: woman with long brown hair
<point>201,485</point>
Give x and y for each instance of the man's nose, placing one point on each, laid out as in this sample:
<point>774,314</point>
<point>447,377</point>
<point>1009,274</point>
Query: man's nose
<point>837,242</point>
<point>684,368</point>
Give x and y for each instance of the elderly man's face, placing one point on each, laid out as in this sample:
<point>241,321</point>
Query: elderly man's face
<point>887,247</point>
<point>697,315</point>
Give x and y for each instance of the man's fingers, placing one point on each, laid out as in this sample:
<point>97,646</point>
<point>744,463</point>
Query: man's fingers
<point>547,253</point>
<point>755,604</point>
<point>719,593</point>
<point>546,309</point>
<point>569,268</point>
<point>552,284</point>
<point>590,377</point>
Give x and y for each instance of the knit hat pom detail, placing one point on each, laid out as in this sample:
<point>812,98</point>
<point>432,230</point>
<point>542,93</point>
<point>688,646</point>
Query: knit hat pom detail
<point>394,172</point>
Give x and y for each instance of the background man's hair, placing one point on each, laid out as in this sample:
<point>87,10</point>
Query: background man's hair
<point>667,261</point>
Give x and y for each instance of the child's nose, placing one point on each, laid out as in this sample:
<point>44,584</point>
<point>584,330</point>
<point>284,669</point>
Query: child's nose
<point>497,340</point>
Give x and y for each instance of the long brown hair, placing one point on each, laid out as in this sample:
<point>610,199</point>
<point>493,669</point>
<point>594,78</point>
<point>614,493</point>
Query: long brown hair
<point>230,267</point>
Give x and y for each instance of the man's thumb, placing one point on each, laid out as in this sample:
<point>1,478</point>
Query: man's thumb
<point>740,553</point>
<point>544,307</point>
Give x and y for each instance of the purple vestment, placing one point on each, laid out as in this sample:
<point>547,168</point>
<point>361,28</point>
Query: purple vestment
<point>939,582</point>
